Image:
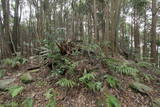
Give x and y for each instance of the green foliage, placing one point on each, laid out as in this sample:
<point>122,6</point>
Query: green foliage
<point>126,70</point>
<point>2,72</point>
<point>94,86</point>
<point>87,77</point>
<point>112,81</point>
<point>111,61</point>
<point>93,48</point>
<point>26,78</point>
<point>112,101</point>
<point>69,65</point>
<point>51,102</point>
<point>144,64</point>
<point>123,68</point>
<point>63,64</point>
<point>28,102</point>
<point>66,83</point>
<point>15,90</point>
<point>147,77</point>
<point>139,5</point>
<point>15,61</point>
<point>50,95</point>
<point>48,45</point>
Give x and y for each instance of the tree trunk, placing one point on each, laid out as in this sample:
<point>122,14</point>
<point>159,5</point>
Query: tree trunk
<point>115,17</point>
<point>145,37</point>
<point>95,20</point>
<point>15,33</point>
<point>153,33</point>
<point>9,48</point>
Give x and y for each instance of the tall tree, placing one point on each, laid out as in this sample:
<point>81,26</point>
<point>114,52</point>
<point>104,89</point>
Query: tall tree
<point>153,32</point>
<point>114,24</point>
<point>15,33</point>
<point>6,11</point>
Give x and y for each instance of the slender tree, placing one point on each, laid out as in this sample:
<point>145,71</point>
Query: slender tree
<point>153,32</point>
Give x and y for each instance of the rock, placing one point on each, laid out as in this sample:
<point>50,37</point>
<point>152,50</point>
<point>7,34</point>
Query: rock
<point>4,84</point>
<point>156,103</point>
<point>144,89</point>
<point>26,78</point>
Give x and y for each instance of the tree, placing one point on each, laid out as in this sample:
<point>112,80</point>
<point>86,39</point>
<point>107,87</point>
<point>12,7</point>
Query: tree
<point>15,32</point>
<point>153,32</point>
<point>8,49</point>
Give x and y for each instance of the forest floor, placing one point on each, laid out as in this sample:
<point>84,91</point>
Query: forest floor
<point>45,79</point>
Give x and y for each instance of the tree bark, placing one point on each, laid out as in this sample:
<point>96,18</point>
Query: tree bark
<point>8,48</point>
<point>153,33</point>
<point>15,33</point>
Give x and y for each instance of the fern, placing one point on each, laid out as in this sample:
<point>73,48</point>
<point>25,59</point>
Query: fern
<point>112,101</point>
<point>51,102</point>
<point>147,77</point>
<point>15,90</point>
<point>28,102</point>
<point>15,61</point>
<point>66,83</point>
<point>50,95</point>
<point>144,64</point>
<point>111,62</point>
<point>95,86</point>
<point>112,81</point>
<point>87,77</point>
<point>65,64</point>
<point>126,70</point>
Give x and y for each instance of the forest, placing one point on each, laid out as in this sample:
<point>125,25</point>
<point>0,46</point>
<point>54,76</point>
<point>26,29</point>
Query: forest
<point>79,53</point>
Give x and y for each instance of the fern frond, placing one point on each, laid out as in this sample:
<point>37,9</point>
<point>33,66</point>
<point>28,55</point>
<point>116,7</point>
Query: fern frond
<point>66,83</point>
<point>87,77</point>
<point>112,81</point>
<point>112,101</point>
<point>147,77</point>
<point>126,70</point>
<point>144,64</point>
<point>95,86</point>
<point>15,90</point>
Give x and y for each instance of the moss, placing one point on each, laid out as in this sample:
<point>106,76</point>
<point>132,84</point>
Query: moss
<point>26,78</point>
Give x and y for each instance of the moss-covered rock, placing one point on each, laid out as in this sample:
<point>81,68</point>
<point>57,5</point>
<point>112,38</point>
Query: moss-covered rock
<point>26,78</point>
<point>4,84</point>
<point>141,87</point>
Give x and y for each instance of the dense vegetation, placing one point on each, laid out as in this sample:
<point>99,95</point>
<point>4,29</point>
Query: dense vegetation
<point>79,53</point>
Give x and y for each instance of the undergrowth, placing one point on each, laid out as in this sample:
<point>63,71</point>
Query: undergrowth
<point>120,67</point>
<point>112,81</point>
<point>66,83</point>
<point>112,101</point>
<point>16,61</point>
